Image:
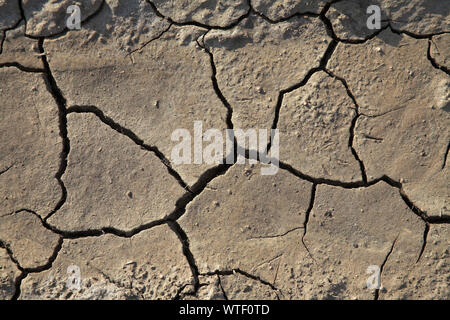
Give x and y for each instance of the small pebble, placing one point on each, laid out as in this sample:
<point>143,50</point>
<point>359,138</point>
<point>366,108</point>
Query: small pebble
<point>260,90</point>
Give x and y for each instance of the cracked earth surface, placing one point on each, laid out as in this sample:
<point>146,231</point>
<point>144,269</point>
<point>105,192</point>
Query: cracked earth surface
<point>86,178</point>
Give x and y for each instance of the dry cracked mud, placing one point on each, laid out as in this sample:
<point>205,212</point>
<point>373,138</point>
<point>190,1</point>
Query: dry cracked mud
<point>93,205</point>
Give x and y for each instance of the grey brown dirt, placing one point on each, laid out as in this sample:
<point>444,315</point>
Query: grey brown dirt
<point>87,181</point>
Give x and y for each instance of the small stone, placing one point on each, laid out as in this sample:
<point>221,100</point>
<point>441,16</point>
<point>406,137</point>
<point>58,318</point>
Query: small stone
<point>129,194</point>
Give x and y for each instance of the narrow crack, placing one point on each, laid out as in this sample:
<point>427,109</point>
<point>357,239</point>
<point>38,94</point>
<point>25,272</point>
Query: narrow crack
<point>199,24</point>
<point>322,64</point>
<point>424,241</point>
<point>229,119</point>
<point>416,35</point>
<point>149,41</point>
<point>71,235</point>
<point>17,285</point>
<point>332,33</point>
<point>422,215</point>
<point>382,113</point>
<point>57,95</point>
<point>109,279</point>
<point>131,135</point>
<point>417,211</point>
<point>16,25</point>
<point>307,214</point>
<point>22,15</point>
<point>180,294</point>
<point>37,269</point>
<point>241,272</point>
<point>377,291</point>
<point>353,124</point>
<point>433,61</point>
<point>6,246</point>
<point>276,235</point>
<point>66,234</point>
<point>324,10</point>
<point>331,182</point>
<point>26,271</point>
<point>42,268</point>
<point>276,273</point>
<point>50,260</point>
<point>6,169</point>
<point>266,262</point>
<point>21,276</point>
<point>361,184</point>
<point>198,188</point>
<point>284,19</point>
<point>219,282</point>
<point>444,162</point>
<point>430,39</point>
<point>182,236</point>
<point>21,67</point>
<point>2,40</point>
<point>281,94</point>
